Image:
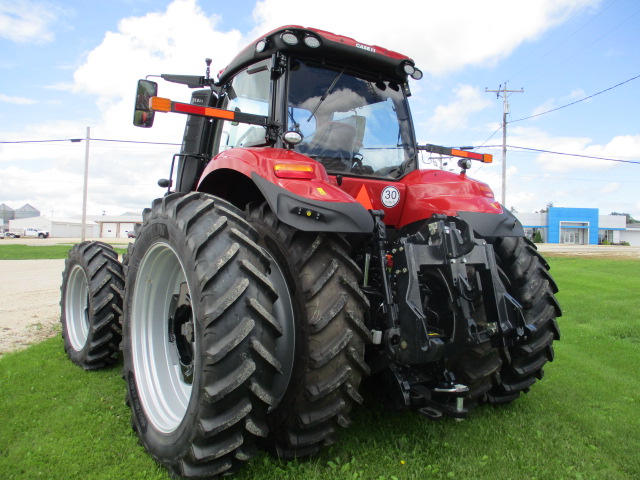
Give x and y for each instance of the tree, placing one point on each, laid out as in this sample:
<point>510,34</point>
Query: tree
<point>630,219</point>
<point>546,209</point>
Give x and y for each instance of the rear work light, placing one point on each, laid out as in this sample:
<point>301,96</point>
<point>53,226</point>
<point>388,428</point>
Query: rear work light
<point>311,41</point>
<point>289,38</point>
<point>293,170</point>
<point>261,46</point>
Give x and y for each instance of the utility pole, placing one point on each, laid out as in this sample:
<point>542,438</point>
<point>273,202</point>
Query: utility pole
<point>85,189</point>
<point>505,109</point>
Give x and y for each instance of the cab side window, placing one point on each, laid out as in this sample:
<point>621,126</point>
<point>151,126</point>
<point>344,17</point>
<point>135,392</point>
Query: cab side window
<point>248,92</point>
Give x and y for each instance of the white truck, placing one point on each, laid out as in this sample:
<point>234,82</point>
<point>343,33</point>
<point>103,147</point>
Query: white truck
<point>28,232</point>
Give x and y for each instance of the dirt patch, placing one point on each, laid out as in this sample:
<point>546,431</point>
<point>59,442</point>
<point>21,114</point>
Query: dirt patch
<point>30,290</point>
<point>600,251</point>
<point>29,302</point>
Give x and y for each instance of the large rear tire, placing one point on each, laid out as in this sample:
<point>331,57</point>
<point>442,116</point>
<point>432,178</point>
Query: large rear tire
<point>199,336</point>
<point>91,305</point>
<point>330,336</point>
<point>526,276</point>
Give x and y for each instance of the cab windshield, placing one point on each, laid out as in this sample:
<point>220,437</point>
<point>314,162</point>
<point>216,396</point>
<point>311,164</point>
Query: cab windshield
<point>350,124</point>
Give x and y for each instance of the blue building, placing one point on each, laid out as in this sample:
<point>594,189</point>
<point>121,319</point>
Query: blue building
<point>579,226</point>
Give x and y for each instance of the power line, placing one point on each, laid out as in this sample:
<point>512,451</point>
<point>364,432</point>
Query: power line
<point>76,140</point>
<point>608,159</point>
<point>577,101</point>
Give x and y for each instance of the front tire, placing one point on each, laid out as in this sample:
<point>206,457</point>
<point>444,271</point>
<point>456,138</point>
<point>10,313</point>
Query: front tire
<point>199,336</point>
<point>330,335</point>
<point>91,305</point>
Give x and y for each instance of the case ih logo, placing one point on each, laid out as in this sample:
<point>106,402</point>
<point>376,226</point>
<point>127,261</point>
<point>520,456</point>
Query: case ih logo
<point>366,47</point>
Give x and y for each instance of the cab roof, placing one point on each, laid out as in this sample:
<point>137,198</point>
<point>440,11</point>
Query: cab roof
<point>322,46</point>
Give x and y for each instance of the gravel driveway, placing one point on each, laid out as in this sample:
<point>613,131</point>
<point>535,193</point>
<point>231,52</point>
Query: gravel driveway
<point>29,301</point>
<point>30,290</point>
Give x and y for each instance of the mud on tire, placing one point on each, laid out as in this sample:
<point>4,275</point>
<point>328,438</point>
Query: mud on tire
<point>199,336</point>
<point>329,335</point>
<point>91,305</point>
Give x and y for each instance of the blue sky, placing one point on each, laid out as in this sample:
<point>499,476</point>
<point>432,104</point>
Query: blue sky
<point>66,65</point>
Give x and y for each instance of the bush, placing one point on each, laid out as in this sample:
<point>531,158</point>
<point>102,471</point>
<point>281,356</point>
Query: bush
<point>606,242</point>
<point>537,238</point>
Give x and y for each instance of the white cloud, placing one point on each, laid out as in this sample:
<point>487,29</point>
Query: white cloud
<point>441,36</point>
<point>468,100</point>
<point>16,100</point>
<point>610,188</point>
<point>545,107</point>
<point>27,21</point>
<point>123,176</point>
<point>161,42</point>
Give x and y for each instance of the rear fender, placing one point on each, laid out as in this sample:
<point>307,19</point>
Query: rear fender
<point>308,204</point>
<point>456,195</point>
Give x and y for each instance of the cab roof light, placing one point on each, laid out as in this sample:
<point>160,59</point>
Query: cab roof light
<point>408,68</point>
<point>312,41</point>
<point>261,45</point>
<point>293,170</point>
<point>290,38</point>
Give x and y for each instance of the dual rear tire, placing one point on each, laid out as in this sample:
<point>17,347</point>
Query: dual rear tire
<point>91,305</point>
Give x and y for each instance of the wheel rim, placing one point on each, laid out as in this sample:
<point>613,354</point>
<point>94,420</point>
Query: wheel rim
<point>162,337</point>
<point>285,344</point>
<point>77,308</point>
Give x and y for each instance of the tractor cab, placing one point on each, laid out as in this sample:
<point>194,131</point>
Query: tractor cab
<point>337,106</point>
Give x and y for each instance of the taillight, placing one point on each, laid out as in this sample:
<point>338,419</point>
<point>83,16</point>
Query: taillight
<point>486,191</point>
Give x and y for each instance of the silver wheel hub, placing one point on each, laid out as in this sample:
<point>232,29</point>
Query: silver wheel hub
<point>77,308</point>
<point>162,337</point>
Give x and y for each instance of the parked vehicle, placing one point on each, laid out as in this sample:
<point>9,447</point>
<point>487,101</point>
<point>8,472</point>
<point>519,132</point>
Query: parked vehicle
<point>299,249</point>
<point>27,232</point>
<point>35,232</point>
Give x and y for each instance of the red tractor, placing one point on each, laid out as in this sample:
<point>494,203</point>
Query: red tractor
<point>298,250</point>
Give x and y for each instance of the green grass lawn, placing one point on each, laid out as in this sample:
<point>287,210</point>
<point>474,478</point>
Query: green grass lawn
<point>40,252</point>
<point>580,422</point>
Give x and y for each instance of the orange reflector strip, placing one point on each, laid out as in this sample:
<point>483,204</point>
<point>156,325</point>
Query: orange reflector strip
<point>487,158</point>
<point>206,111</point>
<point>293,170</point>
<point>160,104</point>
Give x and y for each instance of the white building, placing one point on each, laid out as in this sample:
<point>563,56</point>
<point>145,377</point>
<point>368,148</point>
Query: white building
<point>115,226</point>
<point>98,226</point>
<point>57,227</point>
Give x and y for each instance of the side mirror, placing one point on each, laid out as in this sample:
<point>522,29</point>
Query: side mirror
<point>143,115</point>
